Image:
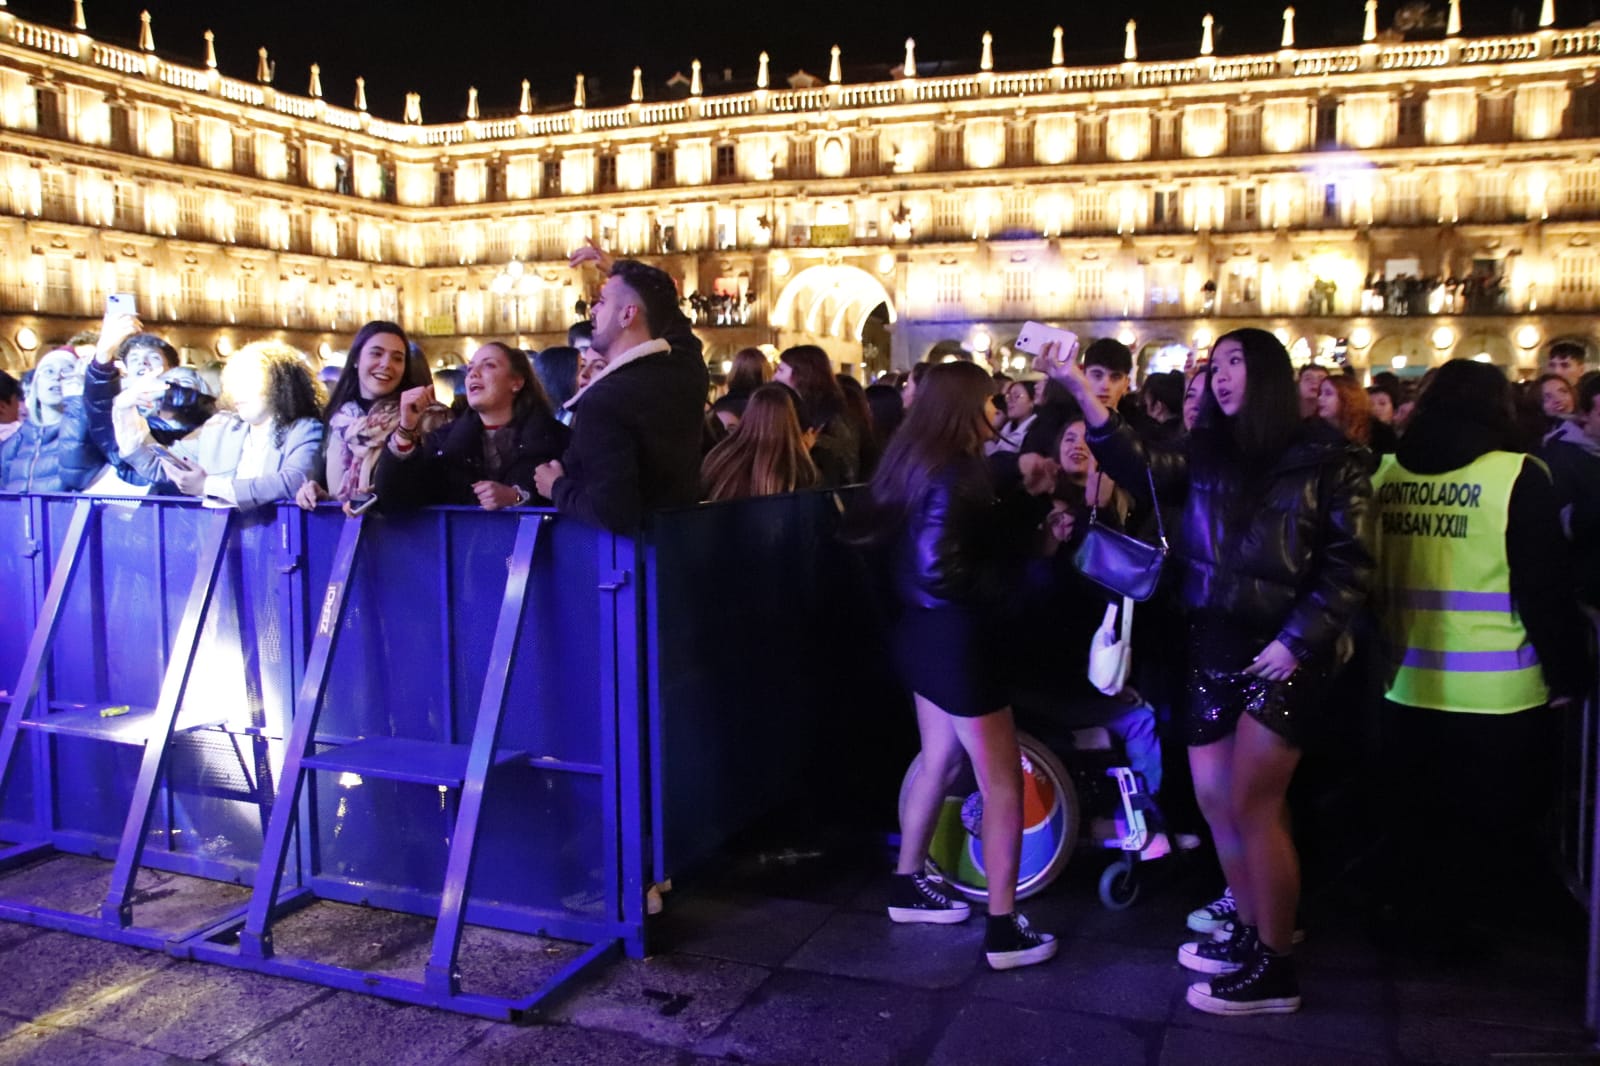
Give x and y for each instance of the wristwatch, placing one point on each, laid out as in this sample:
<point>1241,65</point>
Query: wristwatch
<point>523,496</point>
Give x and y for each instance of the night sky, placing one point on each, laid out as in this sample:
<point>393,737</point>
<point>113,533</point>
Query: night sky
<point>440,49</point>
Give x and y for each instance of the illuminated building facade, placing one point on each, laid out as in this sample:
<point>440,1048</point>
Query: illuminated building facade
<point>1316,192</point>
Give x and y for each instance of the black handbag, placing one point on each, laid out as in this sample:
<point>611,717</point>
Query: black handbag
<point>1126,565</point>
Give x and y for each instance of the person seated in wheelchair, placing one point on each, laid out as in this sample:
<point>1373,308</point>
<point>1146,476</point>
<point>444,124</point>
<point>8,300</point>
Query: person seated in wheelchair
<point>1065,611</point>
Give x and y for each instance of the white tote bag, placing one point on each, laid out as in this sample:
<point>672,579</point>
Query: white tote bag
<point>1111,650</point>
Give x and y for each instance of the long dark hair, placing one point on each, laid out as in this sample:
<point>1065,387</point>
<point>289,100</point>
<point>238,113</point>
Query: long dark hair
<point>530,399</point>
<point>750,371</point>
<point>1270,417</point>
<point>945,424</point>
<point>1464,391</point>
<point>557,370</point>
<point>820,398</point>
<point>858,413</point>
<point>348,386</point>
<point>764,455</point>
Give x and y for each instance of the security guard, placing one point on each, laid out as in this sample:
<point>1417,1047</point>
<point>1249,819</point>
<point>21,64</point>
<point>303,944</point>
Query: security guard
<point>1485,637</point>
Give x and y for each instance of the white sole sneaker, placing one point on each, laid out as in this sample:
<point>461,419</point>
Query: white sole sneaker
<point>1191,959</point>
<point>929,916</point>
<point>1200,998</point>
<point>1010,960</point>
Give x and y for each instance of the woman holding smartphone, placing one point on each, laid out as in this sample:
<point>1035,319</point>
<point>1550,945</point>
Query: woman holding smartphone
<point>363,409</point>
<point>1273,569</point>
<point>932,505</point>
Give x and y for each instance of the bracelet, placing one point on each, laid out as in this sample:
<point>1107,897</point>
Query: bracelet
<point>411,435</point>
<point>523,496</point>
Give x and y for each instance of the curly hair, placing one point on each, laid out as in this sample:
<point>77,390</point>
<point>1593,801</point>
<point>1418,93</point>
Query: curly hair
<point>290,389</point>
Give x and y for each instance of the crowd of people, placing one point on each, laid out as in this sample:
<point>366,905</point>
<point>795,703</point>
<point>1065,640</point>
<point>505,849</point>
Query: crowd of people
<point>1427,532</point>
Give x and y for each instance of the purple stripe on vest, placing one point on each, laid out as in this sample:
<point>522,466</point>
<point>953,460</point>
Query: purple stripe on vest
<point>1471,662</point>
<point>1439,600</point>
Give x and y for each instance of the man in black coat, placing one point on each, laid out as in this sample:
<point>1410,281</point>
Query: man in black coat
<point>636,426</point>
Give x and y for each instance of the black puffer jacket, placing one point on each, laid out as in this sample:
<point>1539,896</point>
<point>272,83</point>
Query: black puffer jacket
<point>948,552</point>
<point>1288,563</point>
<point>450,460</point>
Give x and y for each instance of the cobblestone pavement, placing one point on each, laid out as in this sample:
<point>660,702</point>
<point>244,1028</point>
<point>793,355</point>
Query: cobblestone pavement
<point>783,956</point>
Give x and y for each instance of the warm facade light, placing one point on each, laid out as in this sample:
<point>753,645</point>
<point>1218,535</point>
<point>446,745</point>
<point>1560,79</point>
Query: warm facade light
<point>1527,337</point>
<point>1443,337</point>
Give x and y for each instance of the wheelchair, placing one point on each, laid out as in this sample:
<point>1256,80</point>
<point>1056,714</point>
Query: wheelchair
<point>1076,789</point>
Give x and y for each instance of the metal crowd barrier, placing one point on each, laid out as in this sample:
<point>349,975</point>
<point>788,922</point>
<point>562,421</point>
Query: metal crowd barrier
<point>507,720</point>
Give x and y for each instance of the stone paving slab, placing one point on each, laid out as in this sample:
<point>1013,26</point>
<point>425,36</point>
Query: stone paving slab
<point>507,1045</point>
<point>53,973</point>
<point>991,1033</point>
<point>669,999</point>
<point>1093,977</point>
<point>852,944</point>
<point>192,1010</point>
<point>740,927</point>
<point>1242,1045</point>
<point>803,1019</point>
<point>38,1045</point>
<point>354,1030</point>
<point>1337,1012</point>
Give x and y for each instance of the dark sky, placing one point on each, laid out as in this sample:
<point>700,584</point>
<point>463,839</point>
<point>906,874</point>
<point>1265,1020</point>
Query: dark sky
<point>440,49</point>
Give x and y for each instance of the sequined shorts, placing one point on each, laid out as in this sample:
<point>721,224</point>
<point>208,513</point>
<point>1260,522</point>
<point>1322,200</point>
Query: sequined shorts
<point>1217,698</point>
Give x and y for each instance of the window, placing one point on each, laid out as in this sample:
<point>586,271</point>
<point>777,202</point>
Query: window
<point>1019,144</point>
<point>551,181</point>
<point>864,153</point>
<point>184,147</point>
<point>447,186</point>
<point>1166,136</point>
<point>191,293</point>
<point>947,148</point>
<point>497,182</point>
<point>1330,202</point>
<point>1244,131</point>
<point>121,128</point>
<point>606,173</point>
<point>1091,139</point>
<point>244,222</point>
<point>727,166</point>
<point>664,167</point>
<point>1494,117</point>
<point>1018,286</point>
<point>1575,281</point>
<point>1164,210</point>
<point>947,217</point>
<point>802,158</point>
<point>244,152</point>
<point>1327,122</point>
<point>1409,124</point>
<point>1091,286</point>
<point>58,284</point>
<point>292,167</point>
<point>53,193</point>
<point>1582,192</point>
<point>1403,189</point>
<point>1583,112</point>
<point>1243,209</point>
<point>125,206</point>
<point>47,104</point>
<point>1489,197</point>
<point>949,288</point>
<point>1092,209</point>
<point>245,294</point>
<point>1018,213</point>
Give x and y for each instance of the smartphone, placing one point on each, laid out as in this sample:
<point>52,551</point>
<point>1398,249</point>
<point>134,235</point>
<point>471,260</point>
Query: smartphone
<point>170,456</point>
<point>1035,335</point>
<point>122,303</point>
<point>362,502</point>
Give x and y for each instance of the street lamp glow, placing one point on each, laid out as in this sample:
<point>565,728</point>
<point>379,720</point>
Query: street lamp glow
<point>1483,357</point>
<point>1360,337</point>
<point>1398,362</point>
<point>1443,337</point>
<point>27,339</point>
<point>1528,337</point>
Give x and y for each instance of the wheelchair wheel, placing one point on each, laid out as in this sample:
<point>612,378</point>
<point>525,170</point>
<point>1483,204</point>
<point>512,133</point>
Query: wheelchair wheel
<point>1119,885</point>
<point>1050,814</point>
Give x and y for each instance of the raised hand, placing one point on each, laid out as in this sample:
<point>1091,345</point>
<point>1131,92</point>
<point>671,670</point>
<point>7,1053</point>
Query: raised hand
<point>591,254</point>
<point>413,402</point>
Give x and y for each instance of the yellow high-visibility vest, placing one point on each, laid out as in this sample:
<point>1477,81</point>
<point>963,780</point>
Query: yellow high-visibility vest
<point>1456,641</point>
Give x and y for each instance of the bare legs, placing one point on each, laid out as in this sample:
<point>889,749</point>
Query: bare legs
<point>1242,782</point>
<point>990,742</point>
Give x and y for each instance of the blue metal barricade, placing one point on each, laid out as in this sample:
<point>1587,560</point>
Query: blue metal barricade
<point>480,718</point>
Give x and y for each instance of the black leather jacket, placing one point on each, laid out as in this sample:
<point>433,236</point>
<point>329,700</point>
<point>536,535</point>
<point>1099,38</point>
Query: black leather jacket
<point>1291,563</point>
<point>947,551</point>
